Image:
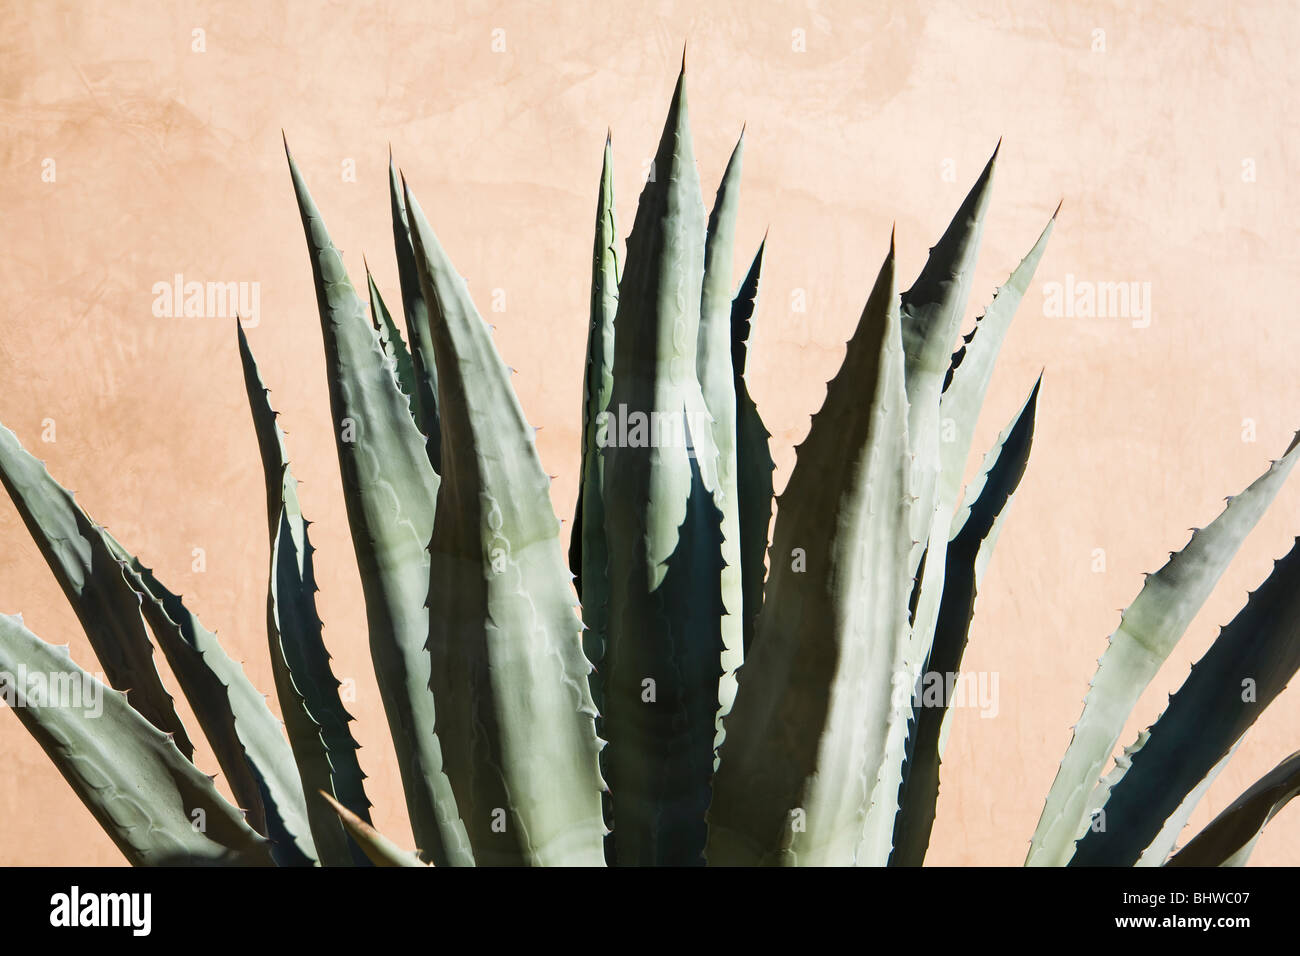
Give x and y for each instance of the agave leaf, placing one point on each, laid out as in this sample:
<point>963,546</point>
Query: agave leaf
<point>245,735</point>
<point>1228,839</point>
<point>806,739</point>
<point>1159,849</point>
<point>389,487</point>
<point>390,337</point>
<point>424,397</point>
<point>713,363</point>
<point>968,555</point>
<point>1248,665</point>
<point>932,308</point>
<point>378,849</point>
<point>931,315</point>
<point>1101,792</point>
<point>1148,631</point>
<point>149,798</point>
<point>661,760</point>
<point>1157,852</point>
<point>588,555</point>
<point>665,648</point>
<point>754,465</point>
<point>972,370</point>
<point>322,743</point>
<point>105,603</point>
<point>504,638</point>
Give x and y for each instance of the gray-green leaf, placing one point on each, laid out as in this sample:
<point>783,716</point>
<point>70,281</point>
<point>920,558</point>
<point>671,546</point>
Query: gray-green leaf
<point>514,708</point>
<point>389,487</point>
<point>1148,631</point>
<point>322,743</point>
<point>148,797</point>
<point>818,696</point>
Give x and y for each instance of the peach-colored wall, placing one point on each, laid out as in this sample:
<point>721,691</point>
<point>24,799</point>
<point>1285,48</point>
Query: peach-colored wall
<point>169,161</point>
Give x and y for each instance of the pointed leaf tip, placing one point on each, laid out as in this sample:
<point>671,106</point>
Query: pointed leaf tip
<point>986,177</point>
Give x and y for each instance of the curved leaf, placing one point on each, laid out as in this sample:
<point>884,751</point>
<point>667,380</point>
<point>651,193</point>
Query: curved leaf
<point>1148,631</point>
<point>971,371</point>
<point>1157,852</point>
<point>1228,839</point>
<point>424,397</point>
<point>588,555</point>
<point>665,627</point>
<point>389,487</point>
<point>817,698</point>
<point>378,849</point>
<point>968,555</point>
<point>931,313</point>
<point>322,744</point>
<point>244,734</point>
<point>713,364</point>
<point>514,708</point>
<point>148,797</point>
<point>105,604</point>
<point>1248,665</point>
<point>588,552</point>
<point>118,595</point>
<point>754,464</point>
<point>390,337</point>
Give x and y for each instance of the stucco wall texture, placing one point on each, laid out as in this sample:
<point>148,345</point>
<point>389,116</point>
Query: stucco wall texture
<point>1167,128</point>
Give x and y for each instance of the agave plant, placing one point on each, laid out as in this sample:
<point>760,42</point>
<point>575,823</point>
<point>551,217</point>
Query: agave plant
<point>723,697</point>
